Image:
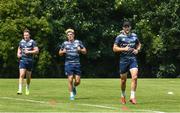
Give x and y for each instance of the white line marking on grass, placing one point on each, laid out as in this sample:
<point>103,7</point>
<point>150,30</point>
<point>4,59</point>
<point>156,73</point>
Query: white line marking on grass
<point>43,102</point>
<point>28,100</point>
<point>115,108</point>
<point>149,111</point>
<point>98,106</point>
<point>90,105</point>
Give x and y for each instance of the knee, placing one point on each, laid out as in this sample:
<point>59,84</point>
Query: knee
<point>70,79</point>
<point>22,75</point>
<point>134,77</point>
<point>77,82</point>
<point>123,81</point>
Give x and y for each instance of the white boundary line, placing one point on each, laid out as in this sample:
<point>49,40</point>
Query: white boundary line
<point>89,105</point>
<point>28,100</point>
<point>98,106</point>
<point>44,102</point>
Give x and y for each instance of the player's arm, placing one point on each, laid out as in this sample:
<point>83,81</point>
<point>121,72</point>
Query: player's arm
<point>82,50</point>
<point>116,48</point>
<point>138,47</point>
<point>19,52</point>
<point>34,51</point>
<point>62,52</point>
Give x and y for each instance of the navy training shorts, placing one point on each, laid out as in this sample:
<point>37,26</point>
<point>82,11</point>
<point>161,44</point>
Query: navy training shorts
<point>72,69</point>
<point>26,64</point>
<point>126,64</point>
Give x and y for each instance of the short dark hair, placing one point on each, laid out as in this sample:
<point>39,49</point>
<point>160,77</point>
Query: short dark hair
<point>126,23</point>
<point>26,30</point>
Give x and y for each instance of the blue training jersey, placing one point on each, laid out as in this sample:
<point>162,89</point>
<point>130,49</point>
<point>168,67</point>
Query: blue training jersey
<point>123,40</point>
<point>72,54</point>
<point>29,45</point>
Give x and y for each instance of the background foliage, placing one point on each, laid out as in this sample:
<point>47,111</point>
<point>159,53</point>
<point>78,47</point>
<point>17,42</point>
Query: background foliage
<point>96,23</point>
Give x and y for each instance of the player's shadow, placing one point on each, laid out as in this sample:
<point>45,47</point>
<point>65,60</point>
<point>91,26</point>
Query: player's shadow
<point>83,98</point>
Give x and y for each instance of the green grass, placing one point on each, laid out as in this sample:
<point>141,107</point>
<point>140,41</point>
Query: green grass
<point>94,95</point>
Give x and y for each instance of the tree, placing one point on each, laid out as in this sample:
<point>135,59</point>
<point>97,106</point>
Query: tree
<point>96,23</point>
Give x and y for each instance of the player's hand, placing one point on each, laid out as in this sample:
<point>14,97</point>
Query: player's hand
<point>26,51</point>
<point>64,50</point>
<point>19,55</point>
<point>135,51</point>
<point>79,48</point>
<point>127,48</point>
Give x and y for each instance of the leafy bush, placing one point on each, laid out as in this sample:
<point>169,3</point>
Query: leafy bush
<point>166,71</point>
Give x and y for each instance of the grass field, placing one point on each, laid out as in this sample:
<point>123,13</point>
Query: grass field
<point>94,95</point>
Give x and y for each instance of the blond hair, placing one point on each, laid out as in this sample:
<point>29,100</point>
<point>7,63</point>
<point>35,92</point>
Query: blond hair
<point>69,30</point>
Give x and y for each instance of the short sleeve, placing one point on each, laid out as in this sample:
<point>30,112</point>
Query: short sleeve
<point>81,45</point>
<point>117,40</point>
<point>34,44</point>
<point>62,46</point>
<point>19,44</point>
<point>137,41</point>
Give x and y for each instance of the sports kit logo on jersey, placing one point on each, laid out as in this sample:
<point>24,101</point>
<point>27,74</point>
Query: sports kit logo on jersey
<point>76,44</point>
<point>134,38</point>
<point>67,46</point>
<point>29,43</point>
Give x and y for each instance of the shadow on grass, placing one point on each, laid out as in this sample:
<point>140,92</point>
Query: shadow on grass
<point>82,98</point>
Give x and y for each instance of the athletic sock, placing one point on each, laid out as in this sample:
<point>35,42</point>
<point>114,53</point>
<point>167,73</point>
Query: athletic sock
<point>20,87</point>
<point>132,94</point>
<point>71,94</point>
<point>123,94</point>
<point>27,86</point>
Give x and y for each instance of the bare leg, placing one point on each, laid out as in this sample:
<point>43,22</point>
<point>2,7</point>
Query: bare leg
<point>134,76</point>
<point>70,84</point>
<point>123,87</point>
<point>123,83</point>
<point>77,80</point>
<point>28,77</point>
<point>28,80</point>
<point>22,73</point>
